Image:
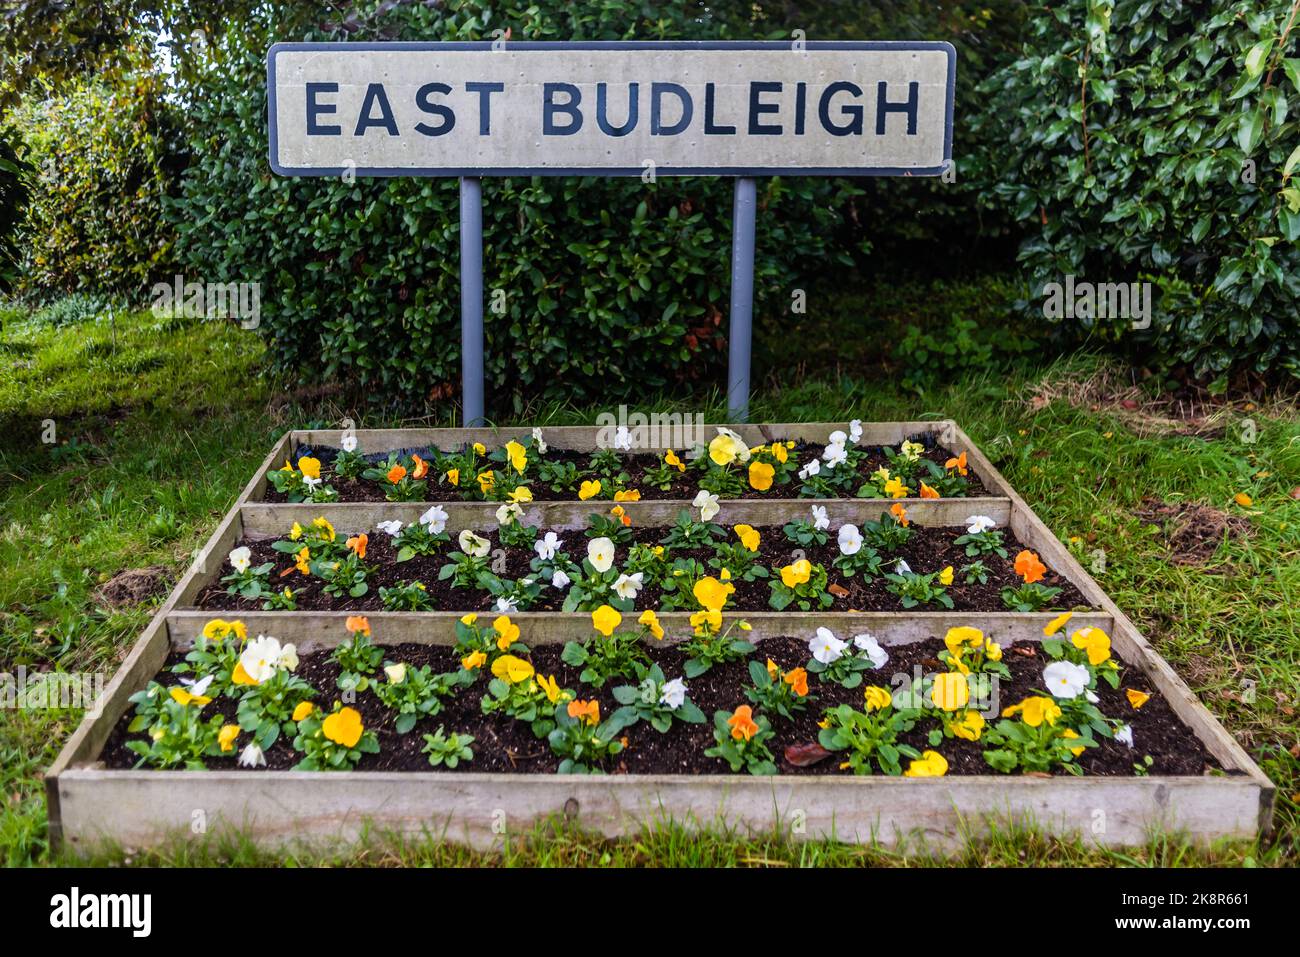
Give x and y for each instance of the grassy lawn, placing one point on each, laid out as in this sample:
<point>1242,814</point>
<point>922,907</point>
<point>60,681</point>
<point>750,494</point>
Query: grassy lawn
<point>158,425</point>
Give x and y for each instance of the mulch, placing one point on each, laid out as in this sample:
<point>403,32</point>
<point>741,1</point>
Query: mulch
<point>682,487</point>
<point>505,745</point>
<point>930,548</point>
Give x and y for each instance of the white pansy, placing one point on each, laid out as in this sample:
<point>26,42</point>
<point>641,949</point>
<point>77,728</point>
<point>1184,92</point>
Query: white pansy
<point>837,438</point>
<point>252,756</point>
<point>855,431</point>
<point>198,688</point>
<point>820,521</point>
<point>507,606</point>
<point>390,528</point>
<point>902,568</point>
<point>835,454</point>
<point>559,580</point>
<point>869,646</point>
<point>825,647</point>
<point>396,673</point>
<point>975,524</point>
<point>622,438</point>
<point>628,585</point>
<point>547,546</point>
<point>707,503</point>
<point>538,442</point>
<point>600,552</point>
<point>672,694</point>
<point>1124,735</point>
<point>310,482</point>
<point>1065,679</point>
<point>812,468</point>
<point>1091,697</point>
<point>288,659</point>
<point>261,658</point>
<point>850,539</point>
<point>435,519</point>
<point>348,443</point>
<point>474,546</point>
<point>240,559</point>
<point>508,513</point>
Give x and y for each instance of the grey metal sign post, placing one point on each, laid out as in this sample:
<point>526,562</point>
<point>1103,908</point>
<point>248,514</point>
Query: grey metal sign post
<point>648,109</point>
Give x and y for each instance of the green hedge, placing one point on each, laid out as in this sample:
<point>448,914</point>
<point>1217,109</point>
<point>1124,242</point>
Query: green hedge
<point>103,159</point>
<point>1153,140</point>
<point>612,287</point>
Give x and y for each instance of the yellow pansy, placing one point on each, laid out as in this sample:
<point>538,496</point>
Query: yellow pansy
<point>303,710</point>
<point>772,670</point>
<point>779,452</point>
<point>797,573</point>
<point>748,536</point>
<point>945,576</point>
<point>480,448</point>
<point>877,697</point>
<point>522,493</point>
<point>1094,641</point>
<point>895,488</point>
<point>518,456</point>
<point>1034,711</point>
<point>550,687</point>
<point>511,669</point>
<point>486,480</point>
<point>931,764</point>
<point>627,495</point>
<point>323,524</point>
<point>227,735</point>
<point>760,476</point>
<point>605,619</point>
<point>309,467</point>
<point>343,727</point>
<point>992,650</point>
<point>961,637</point>
<point>651,621</point>
<point>969,726</point>
<point>183,696</point>
<point>708,620</point>
<point>218,628</point>
<point>507,630</point>
<point>469,619</point>
<point>1071,733</point>
<point>723,450</point>
<point>711,593</point>
<point>950,691</point>
<point>1057,623</point>
<point>670,458</point>
<point>475,659</point>
<point>295,533</point>
<point>589,489</point>
<point>241,677</point>
<point>1136,699</point>
<point>453,476</point>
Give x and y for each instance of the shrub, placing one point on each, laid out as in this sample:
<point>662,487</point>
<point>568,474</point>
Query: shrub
<point>1153,140</point>
<point>102,164</point>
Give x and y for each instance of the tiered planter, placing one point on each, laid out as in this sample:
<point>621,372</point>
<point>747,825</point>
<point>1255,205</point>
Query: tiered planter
<point>88,802</point>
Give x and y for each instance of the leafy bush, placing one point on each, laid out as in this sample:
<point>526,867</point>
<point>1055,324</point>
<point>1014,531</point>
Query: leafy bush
<point>103,161</point>
<point>69,310</point>
<point>609,287</point>
<point>13,197</point>
<point>1154,140</point>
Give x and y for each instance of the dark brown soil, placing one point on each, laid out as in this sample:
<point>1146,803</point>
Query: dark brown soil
<point>131,587</point>
<point>930,549</point>
<point>683,487</point>
<point>503,744</point>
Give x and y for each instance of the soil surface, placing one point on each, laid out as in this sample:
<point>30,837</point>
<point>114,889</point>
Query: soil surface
<point>503,744</point>
<point>931,548</point>
<point>682,486</point>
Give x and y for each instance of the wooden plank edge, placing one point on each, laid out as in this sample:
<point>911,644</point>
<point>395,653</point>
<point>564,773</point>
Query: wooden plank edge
<point>318,630</point>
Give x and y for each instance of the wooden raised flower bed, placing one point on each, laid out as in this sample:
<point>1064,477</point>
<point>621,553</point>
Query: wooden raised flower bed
<point>92,795</point>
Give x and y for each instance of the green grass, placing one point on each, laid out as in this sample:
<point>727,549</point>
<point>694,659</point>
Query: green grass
<point>160,425</point>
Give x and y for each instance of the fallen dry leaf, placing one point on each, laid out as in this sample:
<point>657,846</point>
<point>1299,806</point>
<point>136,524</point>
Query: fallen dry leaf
<point>839,591</point>
<point>806,755</point>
